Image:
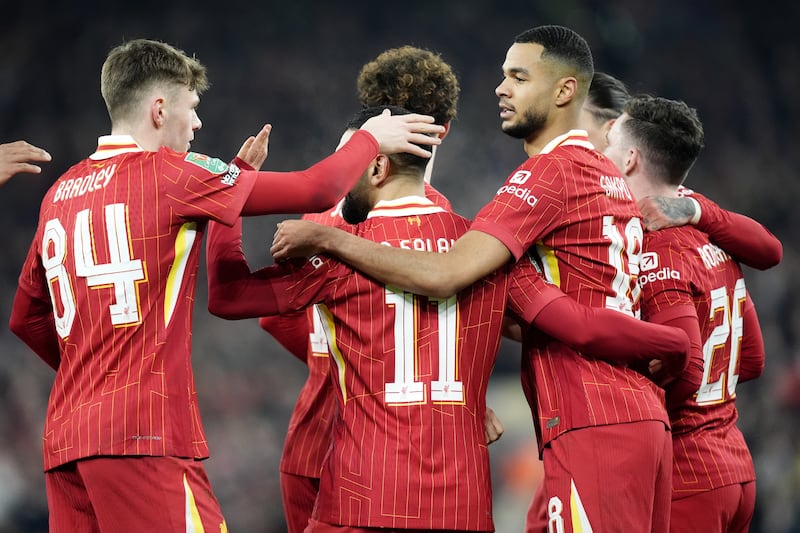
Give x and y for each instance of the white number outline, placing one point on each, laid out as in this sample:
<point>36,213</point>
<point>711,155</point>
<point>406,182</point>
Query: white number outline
<point>405,389</point>
<point>626,289</point>
<point>121,273</point>
<point>731,327</point>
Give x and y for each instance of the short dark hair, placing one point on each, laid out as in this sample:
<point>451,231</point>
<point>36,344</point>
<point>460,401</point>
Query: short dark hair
<point>413,78</point>
<point>134,66</point>
<point>668,132</point>
<point>607,97</point>
<point>564,46</point>
<point>409,162</point>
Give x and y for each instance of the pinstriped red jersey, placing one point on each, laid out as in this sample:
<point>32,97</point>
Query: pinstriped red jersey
<point>116,250</point>
<point>569,208</point>
<point>410,373</point>
<point>682,267</point>
<point>310,426</point>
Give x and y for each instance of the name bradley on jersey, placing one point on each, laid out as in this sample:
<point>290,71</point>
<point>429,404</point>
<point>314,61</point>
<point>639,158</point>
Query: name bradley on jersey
<point>79,186</point>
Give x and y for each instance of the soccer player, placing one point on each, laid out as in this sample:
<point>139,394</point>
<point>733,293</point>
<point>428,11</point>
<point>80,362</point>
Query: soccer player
<point>415,79</point>
<point>688,281</point>
<point>20,156</point>
<point>750,242</point>
<point>746,239</point>
<point>372,386</point>
<point>105,295</point>
<point>568,206</point>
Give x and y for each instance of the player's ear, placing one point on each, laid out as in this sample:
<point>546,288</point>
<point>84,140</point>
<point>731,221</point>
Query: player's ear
<point>632,160</point>
<point>157,112</point>
<point>565,90</point>
<point>446,130</point>
<point>379,170</point>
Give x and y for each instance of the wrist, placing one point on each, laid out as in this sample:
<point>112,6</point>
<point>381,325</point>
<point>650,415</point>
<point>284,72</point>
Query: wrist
<point>698,211</point>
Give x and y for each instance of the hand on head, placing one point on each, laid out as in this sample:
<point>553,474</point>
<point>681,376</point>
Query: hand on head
<point>402,133</point>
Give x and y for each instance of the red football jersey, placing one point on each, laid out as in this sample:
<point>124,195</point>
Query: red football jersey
<point>682,267</point>
<point>569,208</point>
<point>310,426</point>
<point>410,374</point>
<point>116,250</point>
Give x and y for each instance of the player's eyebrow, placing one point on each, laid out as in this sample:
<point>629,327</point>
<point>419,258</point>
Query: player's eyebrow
<point>516,70</point>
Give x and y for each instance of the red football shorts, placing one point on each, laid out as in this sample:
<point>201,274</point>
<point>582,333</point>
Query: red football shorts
<point>124,494</point>
<point>299,494</point>
<point>608,479</point>
<point>724,510</point>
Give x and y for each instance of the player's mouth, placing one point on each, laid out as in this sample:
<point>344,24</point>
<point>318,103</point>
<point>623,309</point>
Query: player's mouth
<point>506,111</point>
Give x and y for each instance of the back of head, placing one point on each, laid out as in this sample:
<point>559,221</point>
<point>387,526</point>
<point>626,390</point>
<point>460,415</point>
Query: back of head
<point>667,132</point>
<point>405,163</point>
<point>413,78</point>
<point>565,47</point>
<point>132,68</point>
<point>607,97</point>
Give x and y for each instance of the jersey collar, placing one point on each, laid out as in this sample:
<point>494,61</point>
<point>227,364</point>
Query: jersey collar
<point>571,138</point>
<point>403,207</point>
<point>113,145</point>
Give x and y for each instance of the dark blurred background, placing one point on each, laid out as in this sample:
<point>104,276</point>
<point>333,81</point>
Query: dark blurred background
<point>294,64</point>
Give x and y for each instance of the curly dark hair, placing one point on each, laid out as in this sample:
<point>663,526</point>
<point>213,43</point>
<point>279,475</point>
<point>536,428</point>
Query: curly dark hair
<point>413,78</point>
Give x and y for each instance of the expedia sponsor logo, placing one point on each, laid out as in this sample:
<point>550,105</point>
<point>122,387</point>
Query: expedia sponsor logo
<point>519,177</point>
<point>615,187</point>
<point>230,177</point>
<point>524,194</point>
<point>649,261</point>
<point>660,275</point>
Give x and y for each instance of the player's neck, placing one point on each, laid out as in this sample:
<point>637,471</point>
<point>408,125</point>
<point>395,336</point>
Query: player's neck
<point>560,125</point>
<point>400,187</point>
<point>143,137</point>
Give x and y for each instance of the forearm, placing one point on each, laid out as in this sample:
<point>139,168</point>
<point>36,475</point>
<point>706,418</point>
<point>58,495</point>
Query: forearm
<point>32,321</point>
<point>752,352</point>
<point>392,266</point>
<point>234,292</point>
<point>611,335</point>
<point>317,188</point>
<point>740,236</point>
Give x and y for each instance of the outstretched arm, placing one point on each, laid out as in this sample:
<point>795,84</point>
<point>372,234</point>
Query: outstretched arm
<point>611,335</point>
<point>473,256</point>
<point>742,237</point>
<point>596,332</point>
<point>312,190</point>
<point>234,292</point>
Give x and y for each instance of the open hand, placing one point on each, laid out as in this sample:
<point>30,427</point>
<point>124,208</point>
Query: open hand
<point>19,157</point>
<point>403,133</point>
<point>255,148</point>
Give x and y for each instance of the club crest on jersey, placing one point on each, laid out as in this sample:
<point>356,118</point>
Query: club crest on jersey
<point>649,261</point>
<point>212,164</point>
